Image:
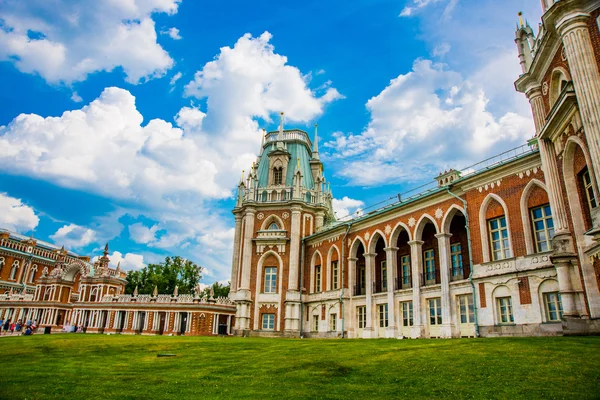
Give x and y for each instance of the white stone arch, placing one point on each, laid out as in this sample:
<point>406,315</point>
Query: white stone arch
<point>396,233</point>
<point>559,74</point>
<point>94,292</point>
<point>313,264</point>
<point>352,257</point>
<point>525,217</point>
<point>501,291</point>
<point>571,182</point>
<point>450,213</point>
<point>13,270</point>
<point>333,249</point>
<point>483,226</point>
<point>259,271</point>
<point>269,220</point>
<point>375,239</point>
<point>548,285</point>
<point>421,225</point>
<point>32,270</point>
<point>76,266</point>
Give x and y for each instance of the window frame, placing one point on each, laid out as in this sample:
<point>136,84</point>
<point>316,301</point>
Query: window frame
<point>429,261</point>
<point>333,322</point>
<point>382,311</point>
<point>505,251</point>
<point>466,309</point>
<point>318,279</point>
<point>405,262</point>
<point>510,318</point>
<point>588,188</point>
<point>435,319</point>
<point>13,270</point>
<point>315,327</point>
<point>272,280</point>
<point>457,268</point>
<point>334,274</point>
<point>549,232</point>
<point>406,308</point>
<point>558,305</point>
<point>361,317</point>
<point>270,322</point>
<point>278,176</point>
<point>384,280</point>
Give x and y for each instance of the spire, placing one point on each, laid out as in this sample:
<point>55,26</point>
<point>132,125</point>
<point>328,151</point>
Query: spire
<point>520,14</point>
<point>155,292</point>
<point>106,249</point>
<point>135,291</point>
<point>262,141</point>
<point>280,125</point>
<point>316,143</point>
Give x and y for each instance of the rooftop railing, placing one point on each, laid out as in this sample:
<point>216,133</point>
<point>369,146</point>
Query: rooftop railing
<point>291,134</point>
<point>433,186</point>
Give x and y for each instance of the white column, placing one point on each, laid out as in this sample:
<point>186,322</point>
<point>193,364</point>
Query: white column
<point>567,294</point>
<point>391,262</point>
<point>416,260</point>
<point>235,262</point>
<point>368,331</point>
<point>586,78</point>
<point>247,251</point>
<point>445,265</point>
<point>295,237</point>
<point>551,175</point>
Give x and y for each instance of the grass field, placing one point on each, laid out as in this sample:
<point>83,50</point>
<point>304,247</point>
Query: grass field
<point>75,366</point>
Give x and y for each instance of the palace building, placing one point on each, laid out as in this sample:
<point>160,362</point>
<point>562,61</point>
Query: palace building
<point>56,288</point>
<point>509,247</point>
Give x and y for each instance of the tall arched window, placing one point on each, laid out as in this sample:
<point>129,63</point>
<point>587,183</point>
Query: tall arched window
<point>13,270</point>
<point>558,82</point>
<point>277,176</point>
<point>32,272</point>
<point>2,263</point>
<point>94,295</point>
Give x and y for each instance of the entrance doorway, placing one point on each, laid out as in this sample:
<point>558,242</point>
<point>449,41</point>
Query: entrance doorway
<point>121,324</point>
<point>141,322</point>
<point>162,316</point>
<point>183,317</point>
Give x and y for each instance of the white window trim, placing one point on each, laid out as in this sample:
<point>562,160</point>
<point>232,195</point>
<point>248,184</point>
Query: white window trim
<point>483,225</point>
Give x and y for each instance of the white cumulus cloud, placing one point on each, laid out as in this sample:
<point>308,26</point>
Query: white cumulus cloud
<point>16,216</point>
<point>347,207</point>
<point>64,41</point>
<point>128,262</point>
<point>421,122</point>
<point>73,236</point>
<point>173,33</point>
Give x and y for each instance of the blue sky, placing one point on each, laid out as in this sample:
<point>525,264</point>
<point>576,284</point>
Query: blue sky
<point>131,121</point>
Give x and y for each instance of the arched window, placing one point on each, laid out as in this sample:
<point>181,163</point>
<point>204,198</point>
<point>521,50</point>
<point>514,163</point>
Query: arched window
<point>2,263</point>
<point>270,280</point>
<point>543,227</point>
<point>273,227</point>
<point>32,272</point>
<point>558,83</point>
<point>495,229</point>
<point>13,270</point>
<point>94,295</point>
<point>551,303</point>
<point>277,176</point>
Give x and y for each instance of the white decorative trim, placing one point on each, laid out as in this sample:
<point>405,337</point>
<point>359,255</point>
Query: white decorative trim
<point>545,88</point>
<point>260,216</point>
<point>367,236</point>
<point>439,213</point>
<point>491,185</point>
<point>388,229</point>
<point>529,172</point>
<point>285,215</point>
<point>412,222</point>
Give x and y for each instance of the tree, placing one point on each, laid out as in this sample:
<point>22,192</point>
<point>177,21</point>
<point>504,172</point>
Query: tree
<point>174,271</point>
<point>218,289</point>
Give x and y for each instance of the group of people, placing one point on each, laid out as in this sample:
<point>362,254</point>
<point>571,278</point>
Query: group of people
<point>68,328</point>
<point>21,329</point>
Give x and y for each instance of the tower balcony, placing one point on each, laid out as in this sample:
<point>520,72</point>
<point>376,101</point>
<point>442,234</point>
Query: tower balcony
<point>288,135</point>
<point>278,194</point>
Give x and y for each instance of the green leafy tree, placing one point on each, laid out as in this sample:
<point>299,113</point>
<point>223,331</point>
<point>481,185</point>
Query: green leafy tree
<point>218,289</point>
<point>174,271</point>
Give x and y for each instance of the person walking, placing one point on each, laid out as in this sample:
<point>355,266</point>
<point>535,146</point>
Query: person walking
<point>6,326</point>
<point>1,325</point>
<point>12,328</point>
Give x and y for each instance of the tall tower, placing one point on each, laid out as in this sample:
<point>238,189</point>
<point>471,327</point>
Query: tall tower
<point>283,199</point>
<point>561,79</point>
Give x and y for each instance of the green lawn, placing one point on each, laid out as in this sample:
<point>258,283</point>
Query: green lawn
<point>76,366</point>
